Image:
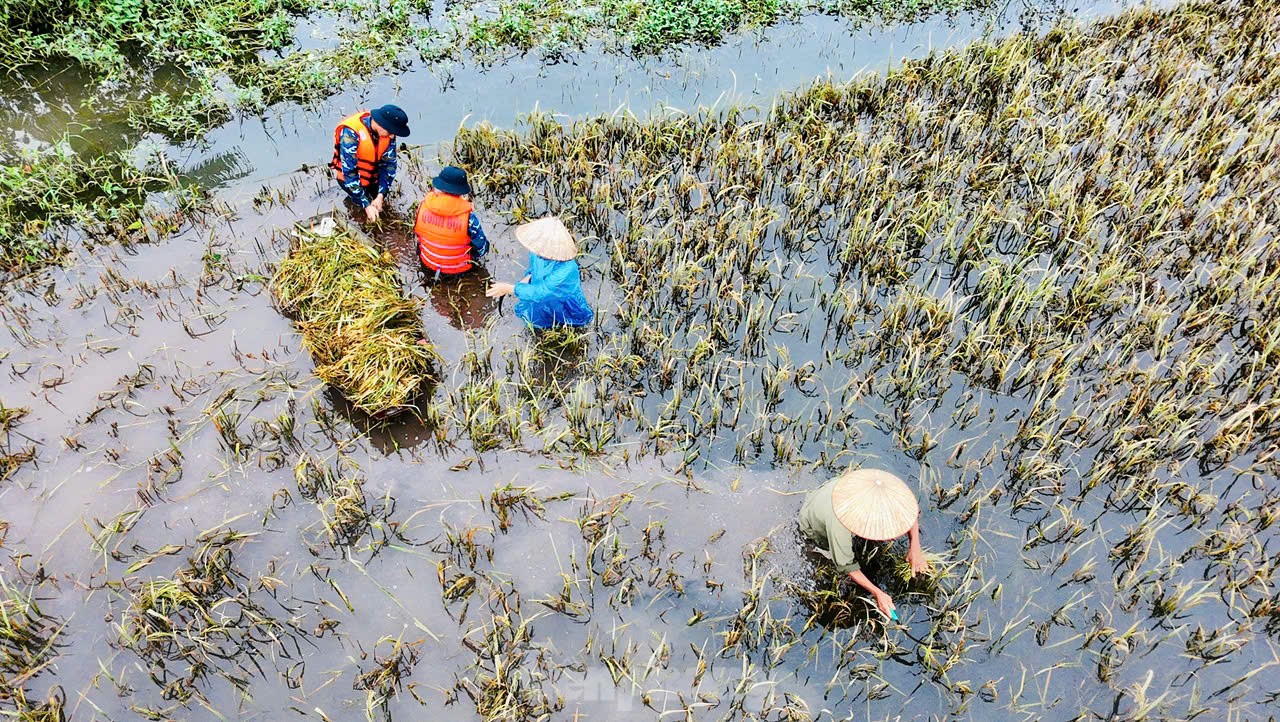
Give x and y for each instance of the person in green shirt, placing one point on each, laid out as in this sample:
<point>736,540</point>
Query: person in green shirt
<point>850,515</point>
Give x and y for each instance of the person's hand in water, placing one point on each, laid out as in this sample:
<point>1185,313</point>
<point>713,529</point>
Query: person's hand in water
<point>916,558</point>
<point>500,289</point>
<point>374,209</point>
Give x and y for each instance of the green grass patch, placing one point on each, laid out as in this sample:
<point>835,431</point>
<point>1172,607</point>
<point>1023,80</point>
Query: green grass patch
<point>43,194</point>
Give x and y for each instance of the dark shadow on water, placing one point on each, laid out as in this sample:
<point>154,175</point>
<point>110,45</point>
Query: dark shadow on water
<point>407,430</point>
<point>460,299</point>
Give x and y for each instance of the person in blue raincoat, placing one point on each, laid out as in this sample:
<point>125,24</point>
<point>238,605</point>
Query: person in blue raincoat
<point>550,295</point>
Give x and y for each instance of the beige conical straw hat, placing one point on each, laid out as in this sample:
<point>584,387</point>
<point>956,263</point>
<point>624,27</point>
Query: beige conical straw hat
<point>548,238</point>
<point>874,504</point>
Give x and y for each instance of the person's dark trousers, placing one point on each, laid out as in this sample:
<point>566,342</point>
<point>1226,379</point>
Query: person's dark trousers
<point>431,277</point>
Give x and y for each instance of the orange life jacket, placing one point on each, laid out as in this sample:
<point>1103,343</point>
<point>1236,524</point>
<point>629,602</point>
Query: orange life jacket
<point>368,153</point>
<point>441,227</point>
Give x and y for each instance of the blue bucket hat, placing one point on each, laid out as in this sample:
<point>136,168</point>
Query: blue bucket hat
<point>393,119</point>
<point>452,179</point>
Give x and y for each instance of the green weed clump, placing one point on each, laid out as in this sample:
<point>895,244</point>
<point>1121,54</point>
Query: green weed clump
<point>654,26</point>
<point>104,198</point>
<point>666,22</point>
<point>359,326</point>
<point>115,34</point>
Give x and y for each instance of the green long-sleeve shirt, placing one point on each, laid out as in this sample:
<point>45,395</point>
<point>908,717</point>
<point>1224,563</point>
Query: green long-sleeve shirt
<point>818,522</point>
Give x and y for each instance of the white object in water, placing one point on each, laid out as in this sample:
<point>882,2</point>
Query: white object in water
<point>325,227</point>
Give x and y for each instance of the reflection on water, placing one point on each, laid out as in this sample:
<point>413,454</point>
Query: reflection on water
<point>408,430</point>
<point>460,299</point>
<point>220,169</point>
<point>61,100</point>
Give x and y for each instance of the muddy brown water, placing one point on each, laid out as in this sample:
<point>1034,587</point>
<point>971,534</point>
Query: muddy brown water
<point>126,354</point>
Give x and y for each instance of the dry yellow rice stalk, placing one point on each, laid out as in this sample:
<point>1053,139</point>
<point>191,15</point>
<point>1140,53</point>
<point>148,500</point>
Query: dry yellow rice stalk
<point>360,328</point>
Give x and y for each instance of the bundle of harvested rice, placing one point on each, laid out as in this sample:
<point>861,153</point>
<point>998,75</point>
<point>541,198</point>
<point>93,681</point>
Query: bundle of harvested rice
<point>361,330</point>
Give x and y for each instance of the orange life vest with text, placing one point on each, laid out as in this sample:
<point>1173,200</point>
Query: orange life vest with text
<point>441,228</point>
<point>368,153</point>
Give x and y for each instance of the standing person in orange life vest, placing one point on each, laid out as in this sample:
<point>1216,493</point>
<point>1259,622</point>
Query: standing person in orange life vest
<point>450,238</point>
<point>364,155</point>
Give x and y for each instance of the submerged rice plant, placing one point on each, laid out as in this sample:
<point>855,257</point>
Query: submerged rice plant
<point>29,647</point>
<point>386,677</point>
<point>12,456</point>
<point>28,638</point>
<point>204,621</point>
<point>1044,269</point>
<point>1010,218</point>
<point>348,516</point>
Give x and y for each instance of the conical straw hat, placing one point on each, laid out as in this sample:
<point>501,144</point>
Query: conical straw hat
<point>548,238</point>
<point>874,504</point>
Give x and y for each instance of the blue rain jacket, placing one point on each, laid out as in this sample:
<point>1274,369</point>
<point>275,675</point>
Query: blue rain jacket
<point>553,296</point>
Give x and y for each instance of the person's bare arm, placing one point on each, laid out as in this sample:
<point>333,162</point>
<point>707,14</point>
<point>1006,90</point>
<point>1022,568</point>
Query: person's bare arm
<point>915,553</point>
<point>883,600</point>
<point>500,289</point>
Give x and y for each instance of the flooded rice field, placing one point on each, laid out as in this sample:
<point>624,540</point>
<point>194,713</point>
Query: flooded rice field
<point>49,103</point>
<point>1036,278</point>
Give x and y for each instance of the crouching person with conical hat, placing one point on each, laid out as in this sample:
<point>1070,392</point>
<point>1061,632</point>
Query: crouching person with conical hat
<point>848,517</point>
<point>550,294</point>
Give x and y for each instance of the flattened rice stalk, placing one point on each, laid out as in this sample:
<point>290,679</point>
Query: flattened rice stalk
<point>361,330</point>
